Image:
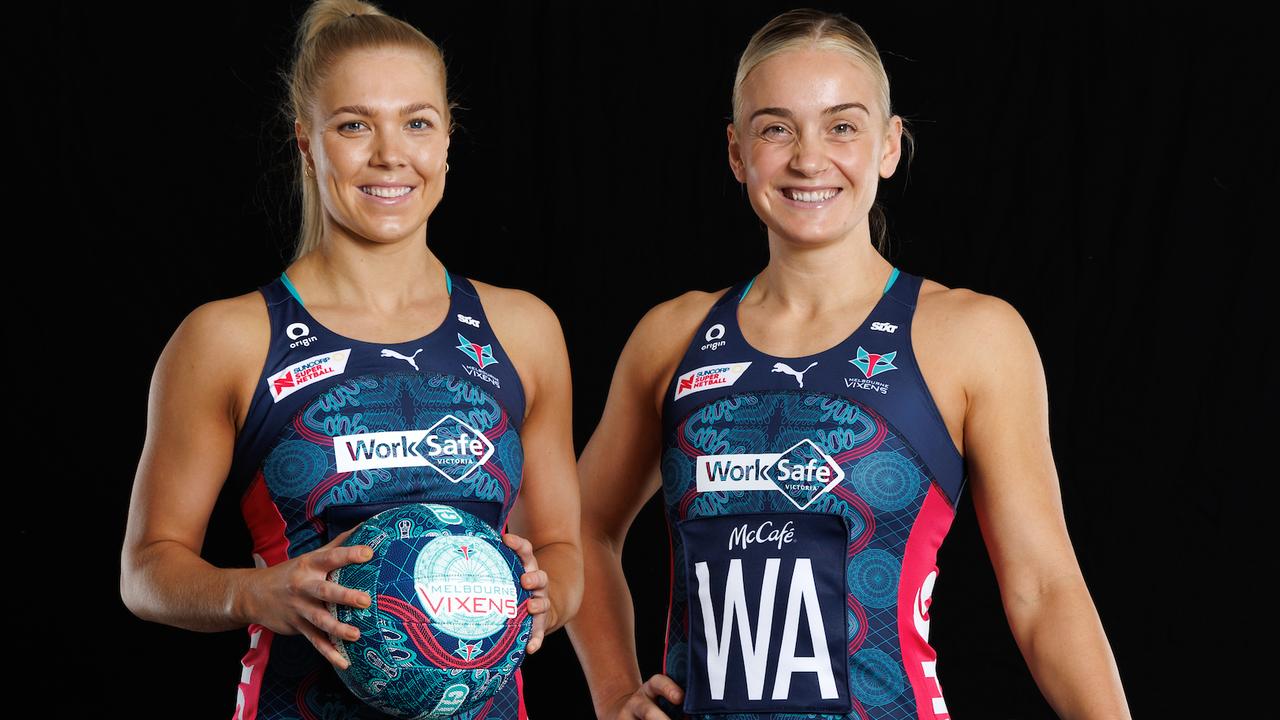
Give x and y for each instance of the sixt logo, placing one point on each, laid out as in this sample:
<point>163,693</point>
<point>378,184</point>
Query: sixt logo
<point>468,320</point>
<point>452,447</point>
<point>884,327</point>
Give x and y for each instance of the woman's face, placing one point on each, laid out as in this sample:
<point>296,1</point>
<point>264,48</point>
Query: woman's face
<point>813,144</point>
<point>378,141</point>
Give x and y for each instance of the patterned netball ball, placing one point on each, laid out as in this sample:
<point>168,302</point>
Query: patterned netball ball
<point>449,621</point>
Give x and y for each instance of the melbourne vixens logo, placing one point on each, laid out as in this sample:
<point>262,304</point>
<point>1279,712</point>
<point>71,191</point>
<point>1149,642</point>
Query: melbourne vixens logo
<point>467,590</point>
<point>871,364</point>
<point>481,355</point>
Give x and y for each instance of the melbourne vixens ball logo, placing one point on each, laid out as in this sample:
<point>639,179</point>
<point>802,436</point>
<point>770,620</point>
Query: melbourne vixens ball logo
<point>481,355</point>
<point>466,588</point>
<point>871,364</point>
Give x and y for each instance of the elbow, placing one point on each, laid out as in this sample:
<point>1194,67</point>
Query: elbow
<point>132,592</point>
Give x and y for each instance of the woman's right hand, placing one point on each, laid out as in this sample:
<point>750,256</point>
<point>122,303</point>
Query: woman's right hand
<point>289,598</point>
<point>642,703</point>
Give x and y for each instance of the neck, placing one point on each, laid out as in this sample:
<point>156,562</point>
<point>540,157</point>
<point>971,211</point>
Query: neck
<point>813,278</point>
<point>385,280</point>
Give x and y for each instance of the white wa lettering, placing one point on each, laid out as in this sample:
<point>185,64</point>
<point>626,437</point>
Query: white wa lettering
<point>735,607</point>
<point>803,592</point>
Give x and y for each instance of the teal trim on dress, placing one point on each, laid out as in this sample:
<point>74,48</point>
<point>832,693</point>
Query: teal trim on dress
<point>292,290</point>
<point>892,276</point>
<point>448,282</point>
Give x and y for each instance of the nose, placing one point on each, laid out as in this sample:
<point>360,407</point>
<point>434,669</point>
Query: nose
<point>388,150</point>
<point>810,157</point>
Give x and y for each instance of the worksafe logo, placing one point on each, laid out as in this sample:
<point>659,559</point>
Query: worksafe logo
<point>451,447</point>
<point>872,364</point>
<point>802,472</point>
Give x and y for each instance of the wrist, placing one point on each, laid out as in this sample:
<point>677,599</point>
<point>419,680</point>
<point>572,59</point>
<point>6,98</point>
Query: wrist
<point>239,602</point>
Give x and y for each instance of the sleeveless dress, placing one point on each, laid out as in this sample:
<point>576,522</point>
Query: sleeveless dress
<point>337,432</point>
<point>806,499</point>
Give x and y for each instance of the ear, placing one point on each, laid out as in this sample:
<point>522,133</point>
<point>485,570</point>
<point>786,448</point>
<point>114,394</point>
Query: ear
<point>892,147</point>
<point>735,155</point>
<point>304,141</point>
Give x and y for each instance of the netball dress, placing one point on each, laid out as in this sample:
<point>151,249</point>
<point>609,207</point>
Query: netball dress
<point>341,429</point>
<point>806,499</point>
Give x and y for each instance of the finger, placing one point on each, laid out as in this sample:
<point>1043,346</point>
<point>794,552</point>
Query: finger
<point>535,636</point>
<point>641,706</point>
<point>539,605</point>
<point>535,580</point>
<point>337,557</point>
<point>323,645</point>
<point>523,548</point>
<point>653,712</point>
<point>328,591</point>
<point>664,686</point>
<point>325,621</point>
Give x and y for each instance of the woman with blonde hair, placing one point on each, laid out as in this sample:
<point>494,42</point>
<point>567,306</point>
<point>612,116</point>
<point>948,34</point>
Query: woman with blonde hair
<point>812,429</point>
<point>273,394</point>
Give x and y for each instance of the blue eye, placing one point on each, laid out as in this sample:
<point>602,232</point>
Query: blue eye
<point>345,125</point>
<point>851,128</point>
<point>769,130</point>
<point>426,123</point>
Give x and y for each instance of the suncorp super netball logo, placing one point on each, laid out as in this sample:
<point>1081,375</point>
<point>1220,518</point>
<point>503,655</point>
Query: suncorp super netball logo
<point>709,376</point>
<point>451,447</point>
<point>301,374</point>
<point>466,588</point>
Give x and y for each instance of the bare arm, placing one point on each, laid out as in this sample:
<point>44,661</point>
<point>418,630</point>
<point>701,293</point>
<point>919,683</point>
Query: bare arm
<point>185,460</point>
<point>619,473</point>
<point>1019,508</point>
<point>547,514</point>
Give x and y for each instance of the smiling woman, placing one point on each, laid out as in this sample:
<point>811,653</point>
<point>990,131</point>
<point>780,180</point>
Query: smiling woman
<point>845,401</point>
<point>364,340</point>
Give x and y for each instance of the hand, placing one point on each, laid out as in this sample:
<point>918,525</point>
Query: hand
<point>289,598</point>
<point>535,581</point>
<point>642,703</point>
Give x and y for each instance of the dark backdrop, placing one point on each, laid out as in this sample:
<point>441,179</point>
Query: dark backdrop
<point>1102,167</point>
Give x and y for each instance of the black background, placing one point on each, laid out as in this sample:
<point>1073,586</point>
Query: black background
<point>1102,167</point>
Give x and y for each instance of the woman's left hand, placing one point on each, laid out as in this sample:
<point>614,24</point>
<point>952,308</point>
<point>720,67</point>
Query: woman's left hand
<point>534,581</point>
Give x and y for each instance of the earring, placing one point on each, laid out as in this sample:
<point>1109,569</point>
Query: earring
<point>446,166</point>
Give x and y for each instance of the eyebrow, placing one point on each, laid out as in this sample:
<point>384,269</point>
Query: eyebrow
<point>365,110</point>
<point>783,112</point>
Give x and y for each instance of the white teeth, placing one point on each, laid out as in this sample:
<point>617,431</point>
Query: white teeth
<point>802,196</point>
<point>386,192</point>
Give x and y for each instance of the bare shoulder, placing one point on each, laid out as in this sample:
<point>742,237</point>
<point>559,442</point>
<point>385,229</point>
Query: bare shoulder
<point>515,313</point>
<point>982,319</point>
<point>979,331</point>
<point>664,332</point>
<point>221,345</point>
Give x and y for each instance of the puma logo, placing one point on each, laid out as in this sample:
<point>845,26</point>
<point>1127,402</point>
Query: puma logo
<point>798,375</point>
<point>410,360</point>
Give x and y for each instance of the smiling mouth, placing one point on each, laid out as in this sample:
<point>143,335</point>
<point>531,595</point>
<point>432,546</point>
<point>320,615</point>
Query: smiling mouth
<point>386,192</point>
<point>810,196</point>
